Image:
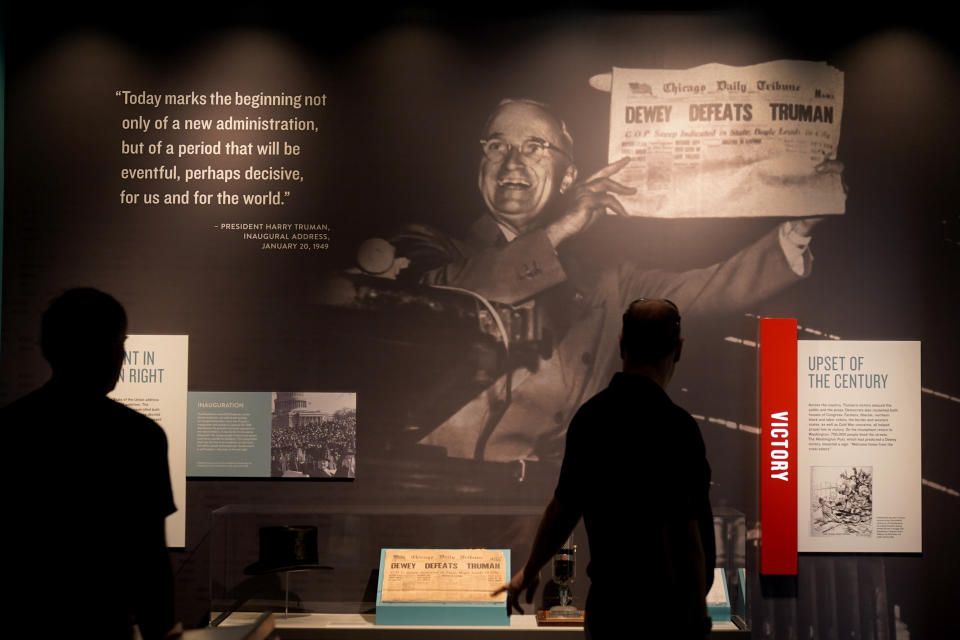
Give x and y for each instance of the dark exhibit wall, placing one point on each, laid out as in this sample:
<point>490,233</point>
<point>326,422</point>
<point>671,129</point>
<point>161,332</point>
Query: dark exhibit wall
<point>370,128</point>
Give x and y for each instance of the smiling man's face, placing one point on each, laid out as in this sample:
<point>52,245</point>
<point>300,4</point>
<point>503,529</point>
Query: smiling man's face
<point>517,188</point>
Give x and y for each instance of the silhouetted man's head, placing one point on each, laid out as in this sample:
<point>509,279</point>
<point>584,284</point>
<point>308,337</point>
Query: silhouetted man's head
<point>651,332</point>
<point>82,335</point>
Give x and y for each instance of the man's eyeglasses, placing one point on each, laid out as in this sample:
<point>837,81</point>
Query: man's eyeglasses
<point>497,149</point>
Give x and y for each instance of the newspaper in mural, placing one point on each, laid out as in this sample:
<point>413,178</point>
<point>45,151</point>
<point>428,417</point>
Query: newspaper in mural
<point>722,141</point>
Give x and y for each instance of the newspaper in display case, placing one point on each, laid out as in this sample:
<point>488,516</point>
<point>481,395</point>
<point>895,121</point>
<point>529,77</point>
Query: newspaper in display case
<point>446,587</point>
<point>443,575</point>
<point>724,141</point>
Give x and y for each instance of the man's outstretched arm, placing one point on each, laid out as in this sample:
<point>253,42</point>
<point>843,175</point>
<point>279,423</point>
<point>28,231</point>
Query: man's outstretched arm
<point>555,527</point>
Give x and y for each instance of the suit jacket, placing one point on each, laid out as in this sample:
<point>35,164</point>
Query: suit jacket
<point>524,414</point>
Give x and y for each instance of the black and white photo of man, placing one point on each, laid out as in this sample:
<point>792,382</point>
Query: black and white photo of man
<point>514,257</point>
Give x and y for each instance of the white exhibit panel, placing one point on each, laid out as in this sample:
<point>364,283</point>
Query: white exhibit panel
<point>153,381</point>
<point>859,446</point>
<point>724,141</point>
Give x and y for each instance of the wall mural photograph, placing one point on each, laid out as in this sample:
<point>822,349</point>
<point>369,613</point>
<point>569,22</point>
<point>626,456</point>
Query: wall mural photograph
<point>400,247</point>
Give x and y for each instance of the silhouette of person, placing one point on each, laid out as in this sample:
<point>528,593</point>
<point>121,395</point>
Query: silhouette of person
<point>629,448</point>
<point>93,489</point>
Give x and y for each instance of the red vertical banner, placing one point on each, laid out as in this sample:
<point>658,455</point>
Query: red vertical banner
<point>778,446</point>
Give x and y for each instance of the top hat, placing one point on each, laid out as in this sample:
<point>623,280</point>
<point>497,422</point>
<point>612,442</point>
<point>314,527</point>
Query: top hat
<point>286,548</point>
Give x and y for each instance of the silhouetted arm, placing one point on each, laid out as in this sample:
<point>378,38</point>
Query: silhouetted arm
<point>555,527</point>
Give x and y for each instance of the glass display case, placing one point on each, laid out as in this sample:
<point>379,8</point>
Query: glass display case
<point>349,539</point>
<point>730,533</point>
